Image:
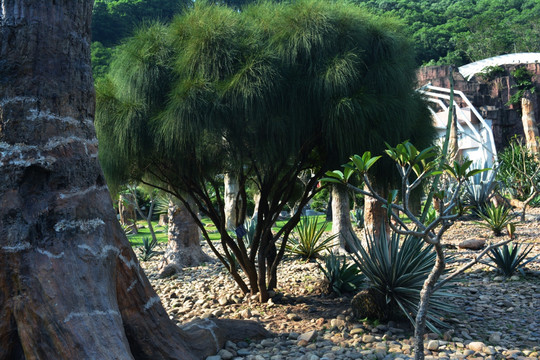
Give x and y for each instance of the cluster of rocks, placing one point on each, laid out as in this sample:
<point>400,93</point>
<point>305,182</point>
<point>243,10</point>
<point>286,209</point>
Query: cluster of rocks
<point>499,318</point>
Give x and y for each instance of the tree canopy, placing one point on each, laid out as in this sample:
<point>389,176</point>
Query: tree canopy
<point>462,31</point>
<point>265,94</point>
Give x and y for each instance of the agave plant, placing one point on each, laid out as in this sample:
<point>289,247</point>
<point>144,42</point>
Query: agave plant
<point>397,270</point>
<point>147,249</point>
<point>496,218</point>
<point>508,258</point>
<point>308,240</point>
<point>249,226</point>
<point>480,189</point>
<point>340,276</point>
<point>357,216</point>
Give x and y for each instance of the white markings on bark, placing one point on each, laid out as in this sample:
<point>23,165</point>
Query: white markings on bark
<point>130,264</point>
<point>49,254</point>
<point>5,101</point>
<point>207,325</point>
<point>101,253</point>
<point>16,248</point>
<point>85,226</point>
<point>79,192</point>
<point>154,300</point>
<point>74,315</point>
<point>36,114</point>
<point>132,285</point>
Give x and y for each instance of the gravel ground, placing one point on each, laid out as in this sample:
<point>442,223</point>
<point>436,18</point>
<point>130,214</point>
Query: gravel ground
<point>499,318</point>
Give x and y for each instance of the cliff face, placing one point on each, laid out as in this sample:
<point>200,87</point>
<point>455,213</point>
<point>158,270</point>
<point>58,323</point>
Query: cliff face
<point>490,96</point>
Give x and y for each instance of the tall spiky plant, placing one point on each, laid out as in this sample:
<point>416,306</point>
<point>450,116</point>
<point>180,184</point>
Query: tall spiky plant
<point>264,94</point>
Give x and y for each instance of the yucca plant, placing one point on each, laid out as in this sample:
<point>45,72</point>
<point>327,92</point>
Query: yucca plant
<point>340,276</point>
<point>147,249</point>
<point>508,258</point>
<point>249,225</point>
<point>357,216</point>
<point>308,240</point>
<point>496,218</point>
<point>480,189</point>
<point>397,270</point>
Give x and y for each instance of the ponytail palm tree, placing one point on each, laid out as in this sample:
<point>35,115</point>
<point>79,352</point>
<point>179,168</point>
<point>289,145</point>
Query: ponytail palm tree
<point>265,94</point>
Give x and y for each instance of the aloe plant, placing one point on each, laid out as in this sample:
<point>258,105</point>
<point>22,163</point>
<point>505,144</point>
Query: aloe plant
<point>508,258</point>
<point>308,240</point>
<point>340,276</point>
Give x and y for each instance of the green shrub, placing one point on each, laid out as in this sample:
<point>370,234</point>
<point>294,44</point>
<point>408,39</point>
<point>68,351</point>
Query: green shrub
<point>397,271</point>
<point>496,218</point>
<point>357,217</point>
<point>340,276</point>
<point>308,241</point>
<point>508,259</point>
<point>147,249</point>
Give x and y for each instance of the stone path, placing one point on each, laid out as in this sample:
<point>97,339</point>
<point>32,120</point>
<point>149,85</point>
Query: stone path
<point>499,319</point>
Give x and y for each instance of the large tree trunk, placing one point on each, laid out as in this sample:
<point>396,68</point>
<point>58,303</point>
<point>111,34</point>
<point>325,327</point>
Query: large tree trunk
<point>183,246</point>
<point>341,217</point>
<point>70,286</point>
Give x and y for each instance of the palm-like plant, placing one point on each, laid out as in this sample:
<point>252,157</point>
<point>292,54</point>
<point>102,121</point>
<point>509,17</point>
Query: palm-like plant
<point>147,250</point>
<point>397,270</point>
<point>508,258</point>
<point>340,276</point>
<point>496,218</point>
<point>308,240</point>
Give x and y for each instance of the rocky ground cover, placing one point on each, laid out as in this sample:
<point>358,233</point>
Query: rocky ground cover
<point>499,318</point>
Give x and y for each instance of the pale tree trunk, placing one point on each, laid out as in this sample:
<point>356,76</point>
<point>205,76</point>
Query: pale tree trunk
<point>256,200</point>
<point>341,217</point>
<point>126,209</point>
<point>232,201</point>
<point>375,216</point>
<point>70,284</point>
<point>529,123</point>
<point>183,245</point>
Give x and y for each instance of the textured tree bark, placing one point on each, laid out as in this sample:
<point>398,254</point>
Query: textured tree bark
<point>529,123</point>
<point>183,246</point>
<point>341,217</point>
<point>375,216</point>
<point>70,286</point>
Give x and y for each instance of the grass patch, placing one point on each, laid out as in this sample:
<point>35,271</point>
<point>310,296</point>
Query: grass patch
<point>161,232</point>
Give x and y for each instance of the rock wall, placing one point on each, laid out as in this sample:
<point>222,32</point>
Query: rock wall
<point>489,97</point>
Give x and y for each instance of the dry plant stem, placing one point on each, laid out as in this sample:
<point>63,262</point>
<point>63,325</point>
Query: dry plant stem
<point>425,295</point>
<point>474,261</point>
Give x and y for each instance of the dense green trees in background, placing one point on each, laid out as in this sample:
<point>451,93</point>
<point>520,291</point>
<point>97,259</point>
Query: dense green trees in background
<point>442,31</point>
<point>462,31</point>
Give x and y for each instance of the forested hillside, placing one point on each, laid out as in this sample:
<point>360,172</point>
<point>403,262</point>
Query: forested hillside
<point>443,31</point>
<point>462,31</point>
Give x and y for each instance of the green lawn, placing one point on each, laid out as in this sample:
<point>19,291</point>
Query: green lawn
<point>161,232</point>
